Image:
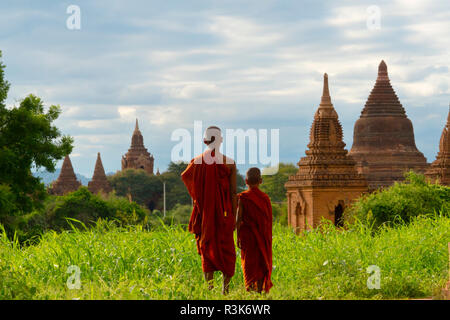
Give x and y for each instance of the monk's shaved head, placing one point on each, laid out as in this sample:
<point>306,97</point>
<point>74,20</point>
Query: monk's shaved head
<point>253,176</point>
<point>211,133</point>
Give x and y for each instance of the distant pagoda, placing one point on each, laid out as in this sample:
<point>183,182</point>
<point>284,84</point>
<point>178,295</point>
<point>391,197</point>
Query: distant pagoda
<point>383,138</point>
<point>137,156</point>
<point>439,170</point>
<point>99,182</point>
<point>67,181</point>
<point>327,179</point>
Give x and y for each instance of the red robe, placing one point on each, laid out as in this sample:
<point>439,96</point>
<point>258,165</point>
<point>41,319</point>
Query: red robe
<point>212,219</point>
<point>255,237</point>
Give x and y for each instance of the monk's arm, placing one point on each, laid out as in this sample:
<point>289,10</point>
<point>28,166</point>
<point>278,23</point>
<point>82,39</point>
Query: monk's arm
<point>187,176</point>
<point>233,189</point>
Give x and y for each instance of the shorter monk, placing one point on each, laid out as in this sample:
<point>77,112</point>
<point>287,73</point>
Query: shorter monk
<point>254,234</point>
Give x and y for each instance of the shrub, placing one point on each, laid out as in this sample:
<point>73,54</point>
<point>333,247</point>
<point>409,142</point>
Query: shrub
<point>180,214</point>
<point>401,202</point>
<point>279,213</point>
<point>80,205</point>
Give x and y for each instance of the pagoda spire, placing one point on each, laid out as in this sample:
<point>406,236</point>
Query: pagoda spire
<point>440,168</point>
<point>138,156</point>
<point>326,129</point>
<point>383,100</point>
<point>326,99</point>
<point>67,180</point>
<point>99,181</point>
<point>382,72</point>
<point>137,140</point>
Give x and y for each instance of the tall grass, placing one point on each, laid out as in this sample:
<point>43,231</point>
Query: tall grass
<point>131,263</point>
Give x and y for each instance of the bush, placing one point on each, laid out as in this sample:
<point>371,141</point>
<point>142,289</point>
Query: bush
<point>7,201</point>
<point>279,213</point>
<point>401,202</point>
<point>80,205</point>
<point>180,214</point>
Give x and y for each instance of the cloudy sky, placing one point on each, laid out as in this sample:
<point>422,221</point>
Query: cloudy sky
<point>232,63</point>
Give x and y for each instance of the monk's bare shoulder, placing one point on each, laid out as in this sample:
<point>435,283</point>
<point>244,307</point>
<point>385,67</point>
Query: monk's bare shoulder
<point>198,159</point>
<point>229,162</point>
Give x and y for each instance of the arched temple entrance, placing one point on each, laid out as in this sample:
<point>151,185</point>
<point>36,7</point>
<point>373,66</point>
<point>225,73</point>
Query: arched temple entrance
<point>339,215</point>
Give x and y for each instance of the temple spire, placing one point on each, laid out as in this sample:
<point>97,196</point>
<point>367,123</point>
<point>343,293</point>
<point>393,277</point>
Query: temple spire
<point>137,140</point>
<point>99,181</point>
<point>382,71</point>
<point>326,130</point>
<point>448,116</point>
<point>67,180</point>
<point>439,169</point>
<point>138,156</point>
<point>326,99</point>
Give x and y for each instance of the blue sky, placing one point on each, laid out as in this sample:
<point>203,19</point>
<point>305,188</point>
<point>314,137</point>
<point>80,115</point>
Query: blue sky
<point>236,64</point>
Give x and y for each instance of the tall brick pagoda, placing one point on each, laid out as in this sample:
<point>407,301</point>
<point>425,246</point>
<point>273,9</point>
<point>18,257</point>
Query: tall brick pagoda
<point>383,137</point>
<point>137,156</point>
<point>99,182</point>
<point>67,181</point>
<point>327,179</point>
<point>439,169</point>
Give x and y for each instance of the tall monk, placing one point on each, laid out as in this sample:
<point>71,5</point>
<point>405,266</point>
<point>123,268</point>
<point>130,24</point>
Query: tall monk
<point>211,181</point>
<point>254,234</point>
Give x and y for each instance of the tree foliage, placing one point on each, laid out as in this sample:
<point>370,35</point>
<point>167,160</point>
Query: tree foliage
<point>80,205</point>
<point>273,185</point>
<point>176,192</point>
<point>401,202</point>
<point>28,140</point>
<point>143,188</point>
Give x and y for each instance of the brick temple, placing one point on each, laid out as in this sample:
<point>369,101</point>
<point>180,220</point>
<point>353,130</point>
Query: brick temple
<point>439,170</point>
<point>383,149</point>
<point>67,181</point>
<point>327,179</point>
<point>137,156</point>
<point>99,182</point>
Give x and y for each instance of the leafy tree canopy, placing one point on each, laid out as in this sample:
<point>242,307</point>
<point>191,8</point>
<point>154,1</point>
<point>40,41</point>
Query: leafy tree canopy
<point>143,188</point>
<point>273,185</point>
<point>28,139</point>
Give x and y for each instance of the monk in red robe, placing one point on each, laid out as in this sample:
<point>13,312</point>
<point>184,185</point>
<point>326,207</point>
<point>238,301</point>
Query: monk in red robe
<point>254,234</point>
<point>211,181</point>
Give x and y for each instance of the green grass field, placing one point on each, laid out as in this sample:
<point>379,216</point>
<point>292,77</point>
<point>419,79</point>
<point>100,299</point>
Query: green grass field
<point>163,264</point>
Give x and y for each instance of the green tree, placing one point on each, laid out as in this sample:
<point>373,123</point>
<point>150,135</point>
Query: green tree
<point>143,188</point>
<point>176,192</point>
<point>28,140</point>
<point>273,185</point>
<point>401,202</point>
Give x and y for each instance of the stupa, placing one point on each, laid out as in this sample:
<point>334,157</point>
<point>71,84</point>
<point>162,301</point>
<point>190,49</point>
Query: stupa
<point>383,138</point>
<point>99,182</point>
<point>439,170</point>
<point>67,181</point>
<point>137,156</point>
<point>327,179</point>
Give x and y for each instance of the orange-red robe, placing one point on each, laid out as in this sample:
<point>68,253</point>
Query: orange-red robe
<point>255,237</point>
<point>212,219</point>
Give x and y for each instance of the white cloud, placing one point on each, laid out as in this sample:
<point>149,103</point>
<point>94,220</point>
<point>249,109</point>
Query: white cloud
<point>234,63</point>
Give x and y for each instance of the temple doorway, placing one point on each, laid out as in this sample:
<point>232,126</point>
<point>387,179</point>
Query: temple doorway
<point>339,215</point>
<point>298,213</point>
